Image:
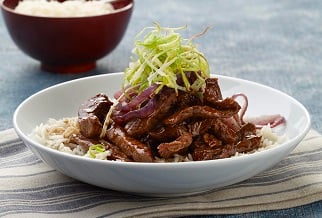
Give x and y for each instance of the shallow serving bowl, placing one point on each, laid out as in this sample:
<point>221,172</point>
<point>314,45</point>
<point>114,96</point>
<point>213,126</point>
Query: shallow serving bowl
<point>158,179</point>
<point>67,44</point>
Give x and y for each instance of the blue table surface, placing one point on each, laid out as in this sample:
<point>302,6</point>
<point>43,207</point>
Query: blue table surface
<point>272,42</point>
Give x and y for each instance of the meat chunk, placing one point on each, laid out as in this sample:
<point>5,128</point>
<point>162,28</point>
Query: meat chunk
<point>186,99</point>
<point>91,115</point>
<point>138,127</point>
<point>212,91</point>
<point>224,109</point>
<point>223,132</point>
<point>83,141</point>
<point>167,133</point>
<point>116,153</point>
<point>202,151</point>
<point>133,148</point>
<point>246,145</point>
<point>168,149</point>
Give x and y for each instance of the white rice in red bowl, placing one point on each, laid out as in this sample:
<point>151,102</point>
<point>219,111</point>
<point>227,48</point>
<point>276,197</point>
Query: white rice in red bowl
<point>71,8</point>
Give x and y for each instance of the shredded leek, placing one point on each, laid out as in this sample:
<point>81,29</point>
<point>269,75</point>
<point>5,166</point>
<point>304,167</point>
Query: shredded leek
<point>96,149</point>
<point>161,56</point>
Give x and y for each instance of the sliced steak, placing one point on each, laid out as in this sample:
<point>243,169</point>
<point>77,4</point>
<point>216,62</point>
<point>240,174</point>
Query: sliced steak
<point>91,115</point>
<point>116,153</point>
<point>212,91</point>
<point>223,132</point>
<point>168,149</point>
<point>224,109</point>
<point>133,148</point>
<point>141,126</point>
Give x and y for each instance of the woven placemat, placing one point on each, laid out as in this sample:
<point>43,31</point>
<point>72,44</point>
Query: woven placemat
<point>29,188</point>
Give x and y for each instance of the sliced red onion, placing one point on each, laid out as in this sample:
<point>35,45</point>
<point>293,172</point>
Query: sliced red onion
<point>130,92</point>
<point>243,107</point>
<point>138,100</point>
<point>272,120</point>
<point>233,123</point>
<point>118,94</point>
<point>142,112</point>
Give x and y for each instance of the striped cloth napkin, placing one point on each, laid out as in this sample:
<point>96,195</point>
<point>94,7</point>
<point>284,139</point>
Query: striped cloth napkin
<point>29,188</point>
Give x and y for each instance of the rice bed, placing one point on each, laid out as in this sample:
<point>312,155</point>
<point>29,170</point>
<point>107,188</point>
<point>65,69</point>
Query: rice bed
<point>56,134</point>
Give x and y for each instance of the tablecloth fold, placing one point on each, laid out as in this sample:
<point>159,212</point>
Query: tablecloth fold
<point>29,188</point>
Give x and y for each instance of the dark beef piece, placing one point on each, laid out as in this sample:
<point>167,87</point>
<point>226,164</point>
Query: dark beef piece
<point>91,115</point>
<point>251,143</point>
<point>167,133</point>
<point>248,129</point>
<point>116,153</point>
<point>83,141</point>
<point>90,126</point>
<point>191,76</point>
<point>138,127</point>
<point>200,127</point>
<point>186,99</point>
<point>168,149</point>
<point>211,140</point>
<point>227,104</point>
<point>246,145</point>
<point>133,148</point>
<point>212,91</point>
<point>206,147</point>
<point>204,152</point>
<point>224,109</point>
<point>223,132</point>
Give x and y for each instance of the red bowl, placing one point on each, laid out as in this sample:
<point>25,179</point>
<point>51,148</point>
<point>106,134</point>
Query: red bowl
<point>67,45</point>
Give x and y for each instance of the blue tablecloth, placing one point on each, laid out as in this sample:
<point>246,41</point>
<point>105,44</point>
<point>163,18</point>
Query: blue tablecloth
<point>276,43</point>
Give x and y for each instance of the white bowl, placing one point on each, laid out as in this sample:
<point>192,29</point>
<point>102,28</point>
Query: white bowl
<point>158,179</point>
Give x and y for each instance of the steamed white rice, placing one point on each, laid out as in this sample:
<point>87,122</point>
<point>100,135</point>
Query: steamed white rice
<point>56,134</point>
<point>70,8</point>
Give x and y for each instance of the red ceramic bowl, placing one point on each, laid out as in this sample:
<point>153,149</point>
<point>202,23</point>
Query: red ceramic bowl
<point>67,45</point>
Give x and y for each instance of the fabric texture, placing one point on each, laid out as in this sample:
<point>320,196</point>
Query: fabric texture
<point>30,188</point>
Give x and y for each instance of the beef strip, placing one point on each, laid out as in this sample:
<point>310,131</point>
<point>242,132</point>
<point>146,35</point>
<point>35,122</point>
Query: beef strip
<point>91,115</point>
<point>200,127</point>
<point>116,153</point>
<point>223,132</point>
<point>212,91</point>
<point>246,145</point>
<point>168,149</point>
<point>204,112</point>
<point>167,133</point>
<point>248,129</point>
<point>211,140</point>
<point>202,151</point>
<point>83,141</point>
<point>186,99</point>
<point>227,104</point>
<point>133,148</point>
<point>141,126</point>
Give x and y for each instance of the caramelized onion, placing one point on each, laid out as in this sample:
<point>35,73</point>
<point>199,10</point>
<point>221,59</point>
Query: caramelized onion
<point>137,100</point>
<point>264,120</point>
<point>142,112</point>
